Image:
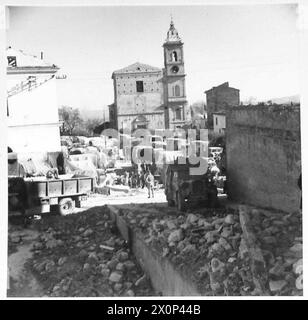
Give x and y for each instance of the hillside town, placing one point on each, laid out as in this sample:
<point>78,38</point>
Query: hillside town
<point>162,198</point>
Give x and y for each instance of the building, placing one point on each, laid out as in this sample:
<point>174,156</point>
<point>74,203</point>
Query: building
<point>219,122</point>
<point>149,97</point>
<point>175,103</point>
<point>138,98</point>
<point>263,148</point>
<point>219,98</point>
<point>32,110</point>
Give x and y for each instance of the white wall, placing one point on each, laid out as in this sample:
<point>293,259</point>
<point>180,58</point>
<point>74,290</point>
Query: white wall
<point>219,123</point>
<point>33,122</point>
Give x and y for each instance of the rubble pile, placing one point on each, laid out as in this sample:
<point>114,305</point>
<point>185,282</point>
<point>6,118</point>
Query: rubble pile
<point>206,247</point>
<point>280,238</point>
<point>83,255</point>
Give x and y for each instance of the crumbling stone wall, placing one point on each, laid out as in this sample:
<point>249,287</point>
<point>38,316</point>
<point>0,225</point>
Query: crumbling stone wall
<point>263,150</point>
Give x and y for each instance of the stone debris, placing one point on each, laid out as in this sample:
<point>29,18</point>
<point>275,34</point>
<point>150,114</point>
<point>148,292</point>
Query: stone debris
<point>280,237</point>
<point>84,256</point>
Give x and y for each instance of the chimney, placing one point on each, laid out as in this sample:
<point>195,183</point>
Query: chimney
<point>41,55</point>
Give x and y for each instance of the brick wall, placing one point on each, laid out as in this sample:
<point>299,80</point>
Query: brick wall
<point>263,150</point>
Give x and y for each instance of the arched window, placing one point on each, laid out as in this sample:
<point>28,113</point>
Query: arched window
<point>177,91</point>
<point>174,56</point>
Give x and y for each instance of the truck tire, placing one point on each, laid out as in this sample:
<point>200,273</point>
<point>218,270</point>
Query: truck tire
<point>180,202</point>
<point>66,206</point>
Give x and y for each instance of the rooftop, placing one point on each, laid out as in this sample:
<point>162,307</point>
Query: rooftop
<point>137,68</point>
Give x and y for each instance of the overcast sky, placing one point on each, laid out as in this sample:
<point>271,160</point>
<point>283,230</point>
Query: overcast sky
<point>254,47</point>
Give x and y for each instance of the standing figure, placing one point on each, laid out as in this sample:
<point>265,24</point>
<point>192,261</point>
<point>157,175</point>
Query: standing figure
<point>150,184</point>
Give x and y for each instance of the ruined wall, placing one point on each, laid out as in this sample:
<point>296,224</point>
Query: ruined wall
<point>218,99</point>
<point>263,150</point>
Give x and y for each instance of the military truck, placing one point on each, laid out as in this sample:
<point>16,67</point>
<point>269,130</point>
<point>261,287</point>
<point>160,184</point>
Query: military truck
<point>184,190</point>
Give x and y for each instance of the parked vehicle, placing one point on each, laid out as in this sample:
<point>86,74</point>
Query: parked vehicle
<point>184,190</point>
<point>38,195</point>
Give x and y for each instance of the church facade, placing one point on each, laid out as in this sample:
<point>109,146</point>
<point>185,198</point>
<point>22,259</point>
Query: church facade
<point>149,97</point>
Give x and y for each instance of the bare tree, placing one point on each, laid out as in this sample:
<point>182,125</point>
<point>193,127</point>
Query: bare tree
<point>70,120</point>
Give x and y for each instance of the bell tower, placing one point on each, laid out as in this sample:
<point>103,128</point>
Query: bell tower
<point>176,113</point>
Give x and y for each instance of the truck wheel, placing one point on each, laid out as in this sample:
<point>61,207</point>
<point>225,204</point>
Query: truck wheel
<point>66,206</point>
<point>180,202</point>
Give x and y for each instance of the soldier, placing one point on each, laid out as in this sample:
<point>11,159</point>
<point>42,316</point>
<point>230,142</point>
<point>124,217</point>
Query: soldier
<point>150,184</point>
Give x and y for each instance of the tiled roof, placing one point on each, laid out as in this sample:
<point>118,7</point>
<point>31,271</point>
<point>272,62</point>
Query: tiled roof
<point>136,68</point>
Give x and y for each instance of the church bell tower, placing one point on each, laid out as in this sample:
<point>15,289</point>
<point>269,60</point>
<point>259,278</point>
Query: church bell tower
<point>176,111</point>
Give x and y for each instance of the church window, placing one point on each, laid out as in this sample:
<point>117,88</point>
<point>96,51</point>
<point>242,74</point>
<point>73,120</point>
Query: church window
<point>139,86</point>
<point>177,91</point>
<point>178,113</point>
<point>174,56</point>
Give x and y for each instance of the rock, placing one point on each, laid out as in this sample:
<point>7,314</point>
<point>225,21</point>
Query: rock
<point>218,221</point>
<point>217,265</point>
<point>226,232</point>
<point>105,272</point>
<point>143,222</point>
<point>92,257</point>
<point>81,230</point>
<point>130,293</point>
<point>129,265</point>
<point>269,240</point>
<point>278,285</point>
<point>181,245</point>
<point>176,236</point>
<point>107,248</point>
<point>224,243</point>
<point>277,270</point>
<point>61,261</point>
<point>37,246</point>
<point>298,267</point>
<point>53,243</point>
<point>299,283</point>
<point>216,248</point>
<point>142,281</point>
<point>120,266</point>
<point>184,226</point>
<point>231,259</point>
<point>189,248</point>
<point>83,253</point>
<point>210,236</point>
<point>118,286</point>
<point>128,284</point>
<point>110,242</point>
<point>229,219</point>
<point>86,267</point>
<point>123,256</point>
<point>171,225</point>
<point>88,232</point>
<point>116,276</point>
<point>192,218</point>
<point>297,250</point>
<point>49,266</point>
<point>243,249</point>
<point>112,264</point>
<point>207,225</point>
<point>214,284</point>
<point>165,252</point>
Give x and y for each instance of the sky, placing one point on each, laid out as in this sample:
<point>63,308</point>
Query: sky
<point>254,47</point>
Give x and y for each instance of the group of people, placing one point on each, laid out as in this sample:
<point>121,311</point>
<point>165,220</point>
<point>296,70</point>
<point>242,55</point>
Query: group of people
<point>139,179</point>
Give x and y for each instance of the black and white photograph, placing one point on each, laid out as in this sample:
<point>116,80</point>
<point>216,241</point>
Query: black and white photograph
<point>153,150</point>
